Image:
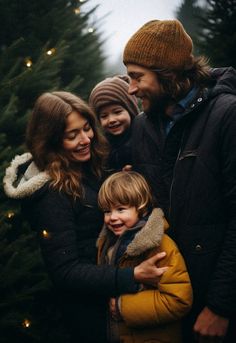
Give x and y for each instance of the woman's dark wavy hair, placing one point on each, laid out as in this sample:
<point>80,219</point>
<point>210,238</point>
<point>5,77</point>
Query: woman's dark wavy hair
<point>177,83</point>
<point>44,138</point>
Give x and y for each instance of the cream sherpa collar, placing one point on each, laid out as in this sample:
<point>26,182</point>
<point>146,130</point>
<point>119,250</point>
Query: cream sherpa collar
<point>26,186</point>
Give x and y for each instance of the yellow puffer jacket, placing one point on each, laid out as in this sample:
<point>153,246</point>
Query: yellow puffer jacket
<point>153,315</point>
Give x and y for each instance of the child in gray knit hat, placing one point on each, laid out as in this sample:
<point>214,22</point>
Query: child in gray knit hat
<point>115,109</point>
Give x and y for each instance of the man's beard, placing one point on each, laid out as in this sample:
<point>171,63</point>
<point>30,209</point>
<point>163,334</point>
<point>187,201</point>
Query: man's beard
<point>158,105</point>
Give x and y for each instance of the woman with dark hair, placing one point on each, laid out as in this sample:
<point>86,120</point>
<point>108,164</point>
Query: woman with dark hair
<point>58,182</point>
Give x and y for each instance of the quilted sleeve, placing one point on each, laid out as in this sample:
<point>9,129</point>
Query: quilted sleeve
<point>170,301</point>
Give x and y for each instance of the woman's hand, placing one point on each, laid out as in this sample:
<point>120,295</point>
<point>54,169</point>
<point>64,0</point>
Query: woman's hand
<point>147,272</point>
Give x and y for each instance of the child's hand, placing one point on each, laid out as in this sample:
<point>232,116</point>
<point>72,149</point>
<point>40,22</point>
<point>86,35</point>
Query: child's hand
<point>114,311</point>
<point>127,167</point>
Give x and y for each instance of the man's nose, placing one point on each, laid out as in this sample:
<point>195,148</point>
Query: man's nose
<point>132,87</point>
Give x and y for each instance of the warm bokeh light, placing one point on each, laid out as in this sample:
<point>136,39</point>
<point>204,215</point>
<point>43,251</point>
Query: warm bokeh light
<point>45,234</point>
<point>77,10</point>
<point>28,62</point>
<point>51,51</point>
<point>26,323</point>
<point>10,214</point>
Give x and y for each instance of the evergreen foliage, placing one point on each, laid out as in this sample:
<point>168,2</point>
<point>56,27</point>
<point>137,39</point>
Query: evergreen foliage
<point>47,23</point>
<point>54,38</point>
<point>218,32</point>
<point>189,13</point>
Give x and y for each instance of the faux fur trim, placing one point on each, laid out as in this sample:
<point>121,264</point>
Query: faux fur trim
<point>148,237</point>
<point>26,187</point>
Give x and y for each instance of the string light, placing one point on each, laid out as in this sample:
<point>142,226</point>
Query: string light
<point>28,62</point>
<point>77,10</point>
<point>91,30</point>
<point>45,233</point>
<point>51,51</point>
<point>10,214</point>
<point>26,323</point>
<point>82,0</point>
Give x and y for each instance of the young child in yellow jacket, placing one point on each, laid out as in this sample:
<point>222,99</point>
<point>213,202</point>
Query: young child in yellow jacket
<point>134,230</point>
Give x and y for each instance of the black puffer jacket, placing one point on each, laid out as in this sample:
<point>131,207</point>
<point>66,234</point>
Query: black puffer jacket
<point>193,175</point>
<point>67,232</point>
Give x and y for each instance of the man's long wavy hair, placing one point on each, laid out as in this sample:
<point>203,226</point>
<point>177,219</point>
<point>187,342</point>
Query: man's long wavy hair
<point>176,84</point>
<point>44,139</point>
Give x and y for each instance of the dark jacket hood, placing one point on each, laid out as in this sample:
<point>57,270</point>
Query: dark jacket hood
<point>225,81</point>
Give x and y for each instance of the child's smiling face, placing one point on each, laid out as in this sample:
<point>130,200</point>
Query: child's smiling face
<point>114,118</point>
<point>120,218</point>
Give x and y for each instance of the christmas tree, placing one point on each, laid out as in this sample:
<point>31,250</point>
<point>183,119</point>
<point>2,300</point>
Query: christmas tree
<point>190,14</point>
<point>218,32</point>
<point>44,46</point>
<point>212,26</point>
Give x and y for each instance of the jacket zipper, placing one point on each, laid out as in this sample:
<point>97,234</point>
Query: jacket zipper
<point>173,178</point>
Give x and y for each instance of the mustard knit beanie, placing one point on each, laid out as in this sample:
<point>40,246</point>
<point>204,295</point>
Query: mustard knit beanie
<point>160,44</point>
<point>114,90</point>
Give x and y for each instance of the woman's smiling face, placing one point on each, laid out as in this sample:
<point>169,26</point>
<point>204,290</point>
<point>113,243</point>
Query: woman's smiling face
<point>77,137</point>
